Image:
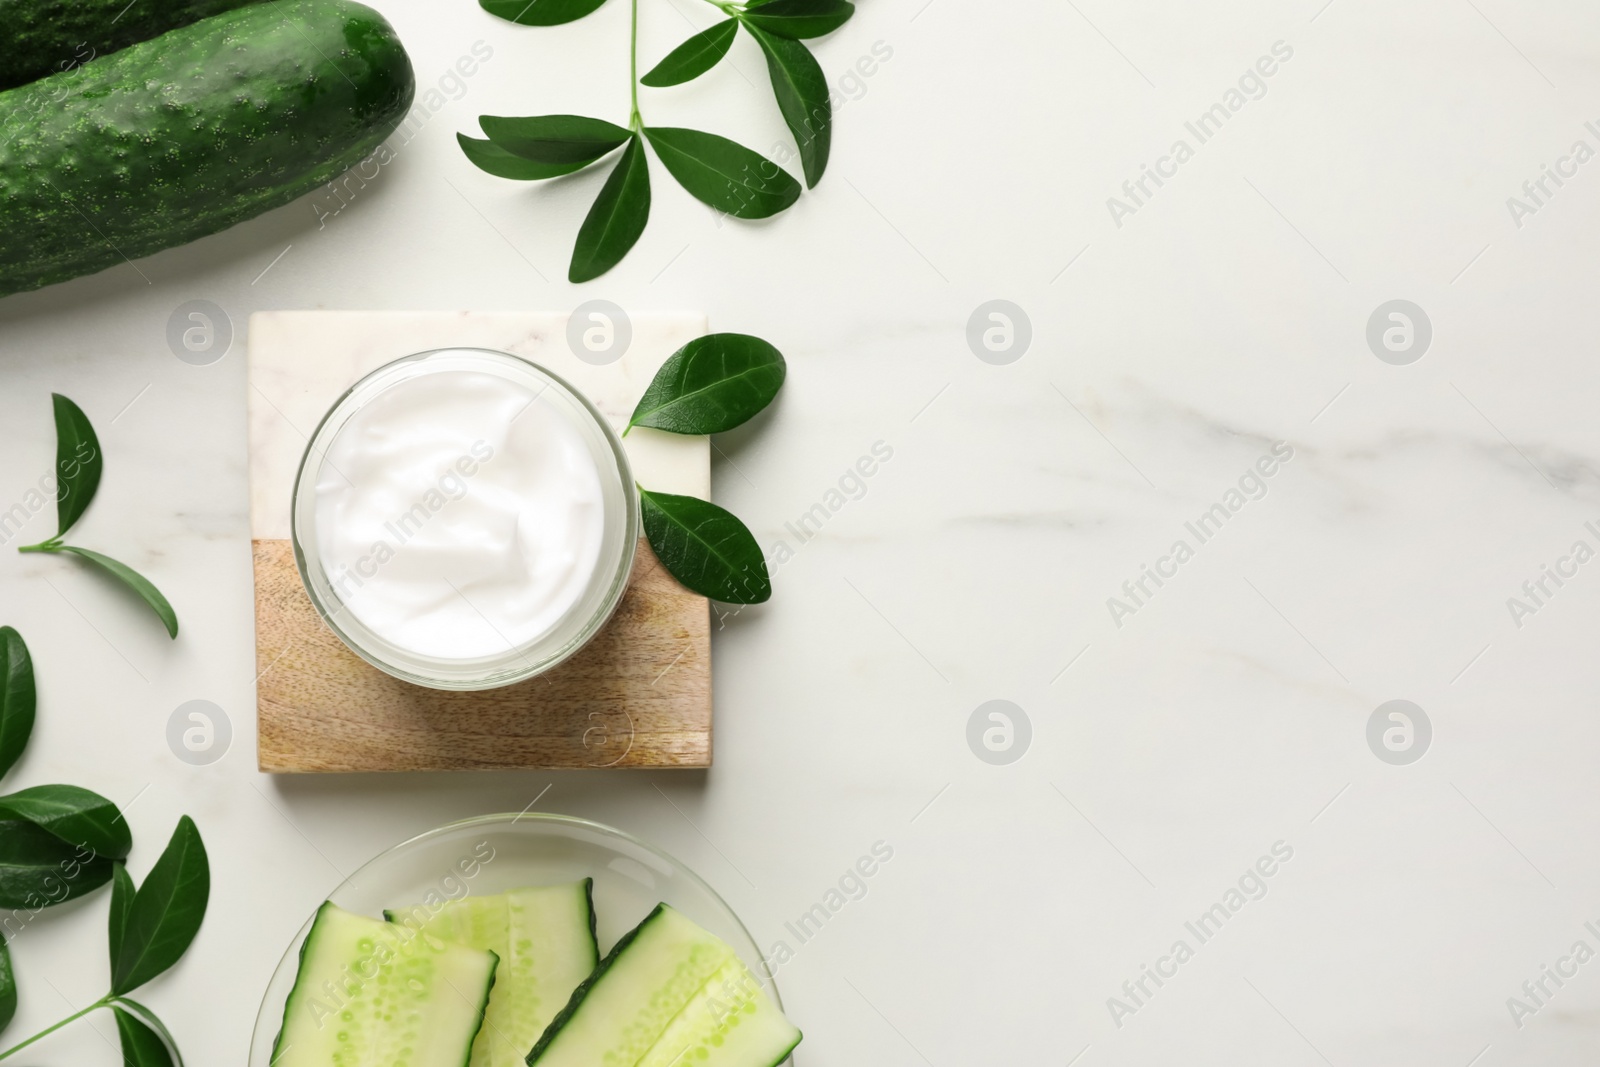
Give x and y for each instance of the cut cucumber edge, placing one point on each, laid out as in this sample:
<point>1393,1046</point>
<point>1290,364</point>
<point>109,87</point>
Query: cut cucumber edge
<point>299,968</point>
<point>565,1015</point>
<point>686,1021</point>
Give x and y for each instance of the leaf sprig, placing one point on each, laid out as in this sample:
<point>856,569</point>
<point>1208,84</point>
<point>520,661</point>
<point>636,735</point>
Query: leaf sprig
<point>721,173</point>
<point>78,468</point>
<point>58,842</point>
<point>708,386</point>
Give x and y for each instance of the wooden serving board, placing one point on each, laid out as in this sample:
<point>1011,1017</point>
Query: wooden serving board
<point>638,695</point>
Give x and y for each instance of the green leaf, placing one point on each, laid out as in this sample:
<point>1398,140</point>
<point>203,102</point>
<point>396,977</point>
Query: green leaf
<point>149,1018</point>
<point>38,869</point>
<point>693,57</point>
<point>617,218</point>
<point>75,815</point>
<point>18,698</point>
<point>800,18</point>
<point>490,157</point>
<point>705,548</point>
<point>555,138</point>
<point>723,173</point>
<point>540,12</point>
<point>121,900</point>
<point>802,92</point>
<point>135,581</point>
<point>78,463</point>
<point>166,911</point>
<point>8,987</point>
<point>711,384</point>
<point>141,1046</point>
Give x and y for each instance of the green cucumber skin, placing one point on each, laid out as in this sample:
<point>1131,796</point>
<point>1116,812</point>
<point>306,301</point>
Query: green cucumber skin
<point>788,1052</point>
<point>300,966</point>
<point>483,1009</point>
<point>565,1015</point>
<point>46,36</point>
<point>588,895</point>
<point>185,135</point>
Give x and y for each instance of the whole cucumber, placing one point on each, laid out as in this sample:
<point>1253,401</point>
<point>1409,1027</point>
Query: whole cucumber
<point>47,36</point>
<point>182,136</point>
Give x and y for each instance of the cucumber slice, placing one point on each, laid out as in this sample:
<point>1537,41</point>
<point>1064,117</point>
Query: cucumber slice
<point>544,937</point>
<point>669,992</point>
<point>369,992</point>
<point>480,923</point>
<point>731,1022</point>
<point>553,949</point>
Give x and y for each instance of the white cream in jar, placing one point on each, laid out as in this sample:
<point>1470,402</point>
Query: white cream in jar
<point>459,515</point>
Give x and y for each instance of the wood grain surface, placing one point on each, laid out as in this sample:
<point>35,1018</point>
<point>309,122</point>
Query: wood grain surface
<point>638,695</point>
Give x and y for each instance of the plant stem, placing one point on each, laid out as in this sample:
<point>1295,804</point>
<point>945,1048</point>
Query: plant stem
<point>102,1002</point>
<point>51,545</point>
<point>634,122</point>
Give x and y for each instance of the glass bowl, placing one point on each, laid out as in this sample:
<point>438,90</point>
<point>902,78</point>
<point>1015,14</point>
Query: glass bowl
<point>630,878</point>
<point>574,629</point>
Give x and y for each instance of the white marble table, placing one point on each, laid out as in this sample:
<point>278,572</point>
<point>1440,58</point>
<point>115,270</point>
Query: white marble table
<point>1226,713</point>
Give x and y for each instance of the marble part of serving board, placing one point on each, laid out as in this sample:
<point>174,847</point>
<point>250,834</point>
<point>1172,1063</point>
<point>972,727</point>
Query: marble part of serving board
<point>639,695</point>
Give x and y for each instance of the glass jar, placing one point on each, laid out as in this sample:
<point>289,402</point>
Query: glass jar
<point>574,628</point>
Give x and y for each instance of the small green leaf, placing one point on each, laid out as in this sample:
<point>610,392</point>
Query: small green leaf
<point>149,1018</point>
<point>135,581</point>
<point>540,12</point>
<point>166,911</point>
<point>122,891</point>
<point>802,92</point>
<point>8,987</point>
<point>705,548</point>
<point>800,18</point>
<point>555,138</point>
<point>693,57</point>
<point>75,815</point>
<point>38,869</point>
<point>490,157</point>
<point>17,698</point>
<point>78,463</point>
<point>141,1046</point>
<point>724,173</point>
<point>617,218</point>
<point>711,384</point>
